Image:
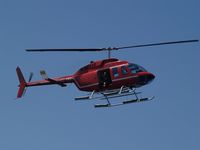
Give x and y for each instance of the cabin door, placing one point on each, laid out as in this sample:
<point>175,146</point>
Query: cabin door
<point>104,78</point>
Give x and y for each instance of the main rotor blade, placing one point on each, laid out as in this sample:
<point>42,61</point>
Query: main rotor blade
<point>66,50</point>
<point>156,44</point>
<point>107,49</point>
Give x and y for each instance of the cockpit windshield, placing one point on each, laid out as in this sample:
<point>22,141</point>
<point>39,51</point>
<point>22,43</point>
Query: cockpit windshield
<point>134,68</point>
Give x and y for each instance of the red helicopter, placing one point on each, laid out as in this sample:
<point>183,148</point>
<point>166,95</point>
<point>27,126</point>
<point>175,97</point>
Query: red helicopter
<point>104,79</point>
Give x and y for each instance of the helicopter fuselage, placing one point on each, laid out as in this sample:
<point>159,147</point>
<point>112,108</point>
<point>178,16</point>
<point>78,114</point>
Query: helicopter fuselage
<point>111,74</point>
<point>107,74</point>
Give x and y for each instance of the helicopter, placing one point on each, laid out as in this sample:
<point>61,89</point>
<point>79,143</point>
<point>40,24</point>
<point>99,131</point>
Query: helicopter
<point>102,79</point>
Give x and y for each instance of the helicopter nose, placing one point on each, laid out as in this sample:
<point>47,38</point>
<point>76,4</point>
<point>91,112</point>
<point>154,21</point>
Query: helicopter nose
<point>150,77</point>
<point>146,78</point>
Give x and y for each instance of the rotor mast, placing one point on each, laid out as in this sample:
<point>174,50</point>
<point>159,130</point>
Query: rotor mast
<point>109,54</point>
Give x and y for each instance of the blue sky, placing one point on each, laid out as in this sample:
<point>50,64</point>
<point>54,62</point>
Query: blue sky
<point>48,117</point>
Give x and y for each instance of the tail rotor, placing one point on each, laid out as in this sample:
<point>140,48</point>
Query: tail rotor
<point>30,77</point>
<point>29,80</point>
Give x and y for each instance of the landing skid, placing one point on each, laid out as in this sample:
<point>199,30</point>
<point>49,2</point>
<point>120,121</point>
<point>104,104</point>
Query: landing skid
<point>107,95</point>
<point>124,102</point>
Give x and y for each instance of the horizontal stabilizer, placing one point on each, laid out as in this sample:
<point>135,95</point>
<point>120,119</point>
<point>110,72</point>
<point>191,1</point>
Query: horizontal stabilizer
<point>45,77</point>
<point>57,82</point>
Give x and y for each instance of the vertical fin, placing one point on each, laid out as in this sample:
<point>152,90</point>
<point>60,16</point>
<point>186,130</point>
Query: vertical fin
<point>22,82</point>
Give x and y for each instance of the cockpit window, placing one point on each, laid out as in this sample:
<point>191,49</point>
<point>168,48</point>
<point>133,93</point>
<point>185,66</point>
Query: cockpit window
<point>115,72</point>
<point>123,69</point>
<point>142,69</point>
<point>134,68</point>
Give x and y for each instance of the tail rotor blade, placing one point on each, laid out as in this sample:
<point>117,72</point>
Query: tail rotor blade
<point>24,91</point>
<point>30,77</point>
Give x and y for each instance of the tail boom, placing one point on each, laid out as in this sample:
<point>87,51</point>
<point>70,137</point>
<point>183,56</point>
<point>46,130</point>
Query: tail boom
<point>61,81</point>
<point>49,81</point>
